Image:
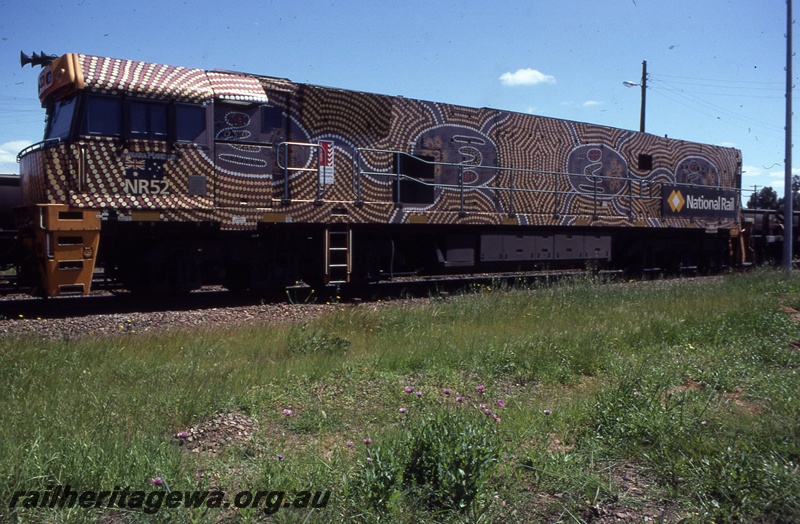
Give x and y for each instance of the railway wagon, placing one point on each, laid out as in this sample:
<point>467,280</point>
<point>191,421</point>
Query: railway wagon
<point>170,178</point>
<point>9,199</point>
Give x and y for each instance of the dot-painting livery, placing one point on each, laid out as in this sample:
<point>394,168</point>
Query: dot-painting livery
<point>173,148</point>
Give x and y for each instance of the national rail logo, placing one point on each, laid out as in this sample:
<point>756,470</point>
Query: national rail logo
<point>676,201</point>
<point>699,201</point>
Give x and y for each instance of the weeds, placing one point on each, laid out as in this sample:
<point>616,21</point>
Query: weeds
<point>663,400</point>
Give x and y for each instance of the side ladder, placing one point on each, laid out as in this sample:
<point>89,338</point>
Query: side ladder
<point>338,261</point>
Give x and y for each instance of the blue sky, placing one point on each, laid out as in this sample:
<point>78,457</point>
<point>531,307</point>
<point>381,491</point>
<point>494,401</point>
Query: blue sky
<point>716,67</point>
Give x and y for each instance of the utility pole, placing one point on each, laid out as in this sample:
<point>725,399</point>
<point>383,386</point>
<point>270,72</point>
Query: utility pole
<point>643,85</point>
<point>644,93</point>
<point>788,197</point>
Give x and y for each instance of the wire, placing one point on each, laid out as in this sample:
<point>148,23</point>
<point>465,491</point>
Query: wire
<point>727,120</point>
<point>705,105</point>
<point>714,80</point>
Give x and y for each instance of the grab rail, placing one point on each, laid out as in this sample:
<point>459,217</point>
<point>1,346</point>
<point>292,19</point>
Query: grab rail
<point>562,187</point>
<point>643,189</point>
<point>284,146</point>
<point>38,145</point>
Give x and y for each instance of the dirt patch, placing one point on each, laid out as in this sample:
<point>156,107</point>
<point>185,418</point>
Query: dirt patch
<point>793,313</point>
<point>212,435</point>
<point>557,446</point>
<point>636,497</point>
<point>736,402</point>
<point>689,385</point>
<point>635,501</point>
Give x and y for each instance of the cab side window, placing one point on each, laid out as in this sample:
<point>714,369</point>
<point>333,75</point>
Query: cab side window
<point>103,116</point>
<point>147,120</point>
<point>190,123</point>
<point>142,119</point>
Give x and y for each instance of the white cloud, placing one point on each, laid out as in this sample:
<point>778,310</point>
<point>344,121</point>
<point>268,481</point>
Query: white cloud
<point>777,179</point>
<point>586,103</point>
<point>9,150</point>
<point>526,77</point>
<point>777,185</point>
<point>752,171</point>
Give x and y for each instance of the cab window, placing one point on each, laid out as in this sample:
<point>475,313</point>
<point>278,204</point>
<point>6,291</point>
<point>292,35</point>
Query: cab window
<point>271,118</point>
<point>190,123</point>
<point>59,118</point>
<point>147,120</point>
<point>103,116</point>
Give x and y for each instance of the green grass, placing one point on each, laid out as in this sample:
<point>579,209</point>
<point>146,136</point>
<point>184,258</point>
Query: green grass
<point>676,399</point>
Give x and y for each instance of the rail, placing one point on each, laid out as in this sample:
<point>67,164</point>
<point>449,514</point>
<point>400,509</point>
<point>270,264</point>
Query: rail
<point>560,191</point>
<point>38,145</point>
<point>561,186</point>
<point>284,148</point>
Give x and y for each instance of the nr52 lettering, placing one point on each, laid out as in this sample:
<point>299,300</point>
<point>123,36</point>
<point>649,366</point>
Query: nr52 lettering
<point>147,187</point>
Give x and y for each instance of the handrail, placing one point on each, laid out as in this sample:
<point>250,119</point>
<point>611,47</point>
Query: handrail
<point>644,185</point>
<point>38,145</point>
<point>531,171</point>
<point>284,146</point>
<point>637,188</point>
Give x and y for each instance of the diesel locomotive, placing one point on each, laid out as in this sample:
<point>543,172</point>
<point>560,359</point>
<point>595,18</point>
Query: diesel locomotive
<point>171,178</point>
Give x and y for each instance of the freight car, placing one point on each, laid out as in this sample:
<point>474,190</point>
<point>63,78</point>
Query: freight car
<point>9,199</point>
<point>171,178</point>
<point>764,231</point>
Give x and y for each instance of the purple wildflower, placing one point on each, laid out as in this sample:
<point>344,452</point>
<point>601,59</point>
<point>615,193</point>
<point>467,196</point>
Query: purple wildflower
<point>182,435</point>
<point>419,394</point>
<point>497,419</point>
<point>636,393</point>
<point>501,403</point>
<point>369,459</point>
<point>158,481</point>
<point>446,391</point>
<point>349,444</point>
<point>403,410</point>
<point>367,441</point>
<point>487,412</point>
<point>287,412</point>
<point>480,388</point>
<point>459,399</point>
<point>409,389</point>
<point>547,411</point>
<point>280,456</point>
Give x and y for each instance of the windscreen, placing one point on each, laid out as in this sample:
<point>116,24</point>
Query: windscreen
<point>59,118</point>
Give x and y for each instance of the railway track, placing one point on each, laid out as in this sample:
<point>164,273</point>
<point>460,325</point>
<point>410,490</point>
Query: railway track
<point>107,298</point>
<point>122,314</point>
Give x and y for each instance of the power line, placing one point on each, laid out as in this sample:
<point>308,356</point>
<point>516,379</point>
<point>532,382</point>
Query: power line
<point>725,119</point>
<point>718,110</point>
<point>717,80</point>
<point>738,89</point>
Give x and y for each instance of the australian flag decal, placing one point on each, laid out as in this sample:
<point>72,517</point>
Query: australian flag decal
<point>144,168</point>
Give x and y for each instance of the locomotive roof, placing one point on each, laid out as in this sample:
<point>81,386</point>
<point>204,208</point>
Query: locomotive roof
<point>72,72</point>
